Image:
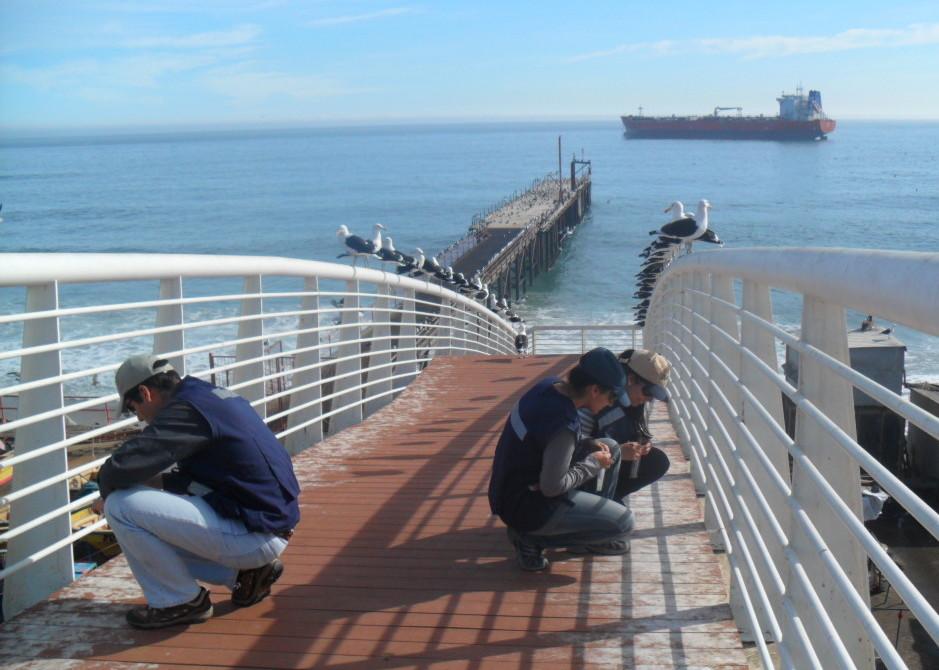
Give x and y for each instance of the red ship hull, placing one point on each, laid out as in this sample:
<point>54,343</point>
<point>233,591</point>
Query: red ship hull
<point>725,128</point>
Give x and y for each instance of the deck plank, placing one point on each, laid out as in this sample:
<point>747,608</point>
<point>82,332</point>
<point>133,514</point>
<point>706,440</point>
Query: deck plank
<point>398,563</point>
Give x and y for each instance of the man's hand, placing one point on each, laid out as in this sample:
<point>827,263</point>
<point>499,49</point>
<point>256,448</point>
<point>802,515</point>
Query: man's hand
<point>98,506</point>
<point>633,450</point>
<point>602,455</point>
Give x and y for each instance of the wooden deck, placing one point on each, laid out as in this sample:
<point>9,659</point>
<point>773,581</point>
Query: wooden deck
<point>398,564</point>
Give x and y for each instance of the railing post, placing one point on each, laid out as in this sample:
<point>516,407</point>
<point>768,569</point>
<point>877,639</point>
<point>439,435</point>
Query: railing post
<point>443,333</point>
<point>701,379</point>
<point>824,327</point>
<point>171,315</point>
<point>725,318</point>
<point>33,583</point>
<point>696,429</point>
<point>757,301</point>
<point>349,347</point>
<point>379,353</point>
<point>251,350</point>
<point>407,336</point>
<point>309,320</point>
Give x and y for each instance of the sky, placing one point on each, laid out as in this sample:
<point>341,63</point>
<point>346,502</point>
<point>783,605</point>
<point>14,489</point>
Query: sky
<point>115,63</point>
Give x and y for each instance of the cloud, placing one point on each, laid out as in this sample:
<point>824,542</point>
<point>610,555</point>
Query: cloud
<point>359,18</point>
<point>118,75</point>
<point>770,46</point>
<point>246,85</point>
<point>238,36</point>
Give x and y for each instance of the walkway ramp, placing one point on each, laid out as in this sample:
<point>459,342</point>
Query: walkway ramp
<point>398,564</point>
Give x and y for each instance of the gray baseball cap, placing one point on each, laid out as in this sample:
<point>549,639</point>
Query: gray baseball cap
<point>136,370</point>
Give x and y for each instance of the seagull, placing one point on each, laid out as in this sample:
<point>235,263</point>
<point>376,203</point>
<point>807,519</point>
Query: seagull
<point>686,228</point>
<point>445,274</point>
<point>413,266</point>
<point>677,210</point>
<point>359,247</point>
<point>459,280</point>
<point>388,253</point>
<point>1,209</point>
<point>710,236</point>
<point>431,267</point>
<point>482,294</point>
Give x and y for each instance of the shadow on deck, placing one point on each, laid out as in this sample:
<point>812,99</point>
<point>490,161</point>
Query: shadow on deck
<point>398,564</point>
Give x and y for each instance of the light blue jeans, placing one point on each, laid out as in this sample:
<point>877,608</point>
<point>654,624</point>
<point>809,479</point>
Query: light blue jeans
<point>171,541</point>
<point>587,516</point>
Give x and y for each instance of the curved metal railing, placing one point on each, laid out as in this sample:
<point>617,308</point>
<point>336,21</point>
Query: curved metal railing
<point>788,510</point>
<point>315,347</point>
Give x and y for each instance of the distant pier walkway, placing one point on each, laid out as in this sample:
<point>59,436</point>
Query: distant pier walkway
<point>398,564</point>
<point>513,243</point>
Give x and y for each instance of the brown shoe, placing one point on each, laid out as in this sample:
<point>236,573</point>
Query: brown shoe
<point>254,585</point>
<point>197,610</point>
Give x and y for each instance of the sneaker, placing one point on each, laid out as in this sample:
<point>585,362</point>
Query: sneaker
<point>613,548</point>
<point>530,557</point>
<point>196,610</point>
<point>254,585</point>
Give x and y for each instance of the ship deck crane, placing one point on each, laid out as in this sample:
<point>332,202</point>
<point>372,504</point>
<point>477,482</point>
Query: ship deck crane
<point>720,109</point>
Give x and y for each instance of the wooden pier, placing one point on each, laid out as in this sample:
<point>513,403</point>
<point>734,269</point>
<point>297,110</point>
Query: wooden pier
<point>513,244</point>
<point>398,563</point>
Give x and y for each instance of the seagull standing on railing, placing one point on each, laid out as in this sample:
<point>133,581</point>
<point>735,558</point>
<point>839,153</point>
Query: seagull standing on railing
<point>413,265</point>
<point>388,253</point>
<point>358,247</point>
<point>431,267</point>
<point>685,227</point>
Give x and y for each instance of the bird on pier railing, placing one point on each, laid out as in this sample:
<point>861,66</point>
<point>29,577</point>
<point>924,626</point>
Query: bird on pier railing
<point>388,253</point>
<point>659,246</point>
<point>458,280</point>
<point>445,275</point>
<point>413,265</point>
<point>483,294</point>
<point>685,227</point>
<point>431,267</point>
<point>359,247</point>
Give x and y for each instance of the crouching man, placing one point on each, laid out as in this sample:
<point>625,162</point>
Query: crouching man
<point>229,501</point>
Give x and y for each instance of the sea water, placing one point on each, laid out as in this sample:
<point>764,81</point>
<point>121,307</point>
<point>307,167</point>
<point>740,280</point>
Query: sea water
<point>284,193</point>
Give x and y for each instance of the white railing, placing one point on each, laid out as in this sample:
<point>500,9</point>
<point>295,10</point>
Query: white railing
<point>576,339</point>
<point>315,347</point>
<point>788,511</point>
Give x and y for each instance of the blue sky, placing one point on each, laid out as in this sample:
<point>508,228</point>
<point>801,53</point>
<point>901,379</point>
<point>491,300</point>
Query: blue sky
<point>93,63</point>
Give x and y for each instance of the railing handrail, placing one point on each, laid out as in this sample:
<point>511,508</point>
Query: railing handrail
<point>839,275</point>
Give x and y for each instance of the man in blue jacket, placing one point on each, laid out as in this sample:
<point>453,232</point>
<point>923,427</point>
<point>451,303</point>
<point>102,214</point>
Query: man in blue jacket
<point>229,501</point>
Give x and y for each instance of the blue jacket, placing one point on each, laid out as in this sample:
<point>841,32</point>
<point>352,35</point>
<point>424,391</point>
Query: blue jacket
<point>248,470</point>
<point>539,414</point>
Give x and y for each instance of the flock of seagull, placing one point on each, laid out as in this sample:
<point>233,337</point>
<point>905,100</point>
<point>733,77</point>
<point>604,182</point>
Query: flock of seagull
<point>381,247</point>
<point>682,230</point>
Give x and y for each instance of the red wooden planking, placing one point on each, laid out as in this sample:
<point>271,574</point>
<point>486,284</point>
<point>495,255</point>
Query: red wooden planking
<point>397,563</point>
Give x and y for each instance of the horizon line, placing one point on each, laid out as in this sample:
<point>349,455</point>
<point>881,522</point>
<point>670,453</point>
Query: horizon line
<point>298,124</point>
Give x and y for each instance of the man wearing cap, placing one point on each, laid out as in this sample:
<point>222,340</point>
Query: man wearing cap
<point>228,506</point>
<point>624,421</point>
<point>535,478</point>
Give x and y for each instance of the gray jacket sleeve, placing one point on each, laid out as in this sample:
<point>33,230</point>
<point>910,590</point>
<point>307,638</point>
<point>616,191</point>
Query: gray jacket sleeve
<point>558,474</point>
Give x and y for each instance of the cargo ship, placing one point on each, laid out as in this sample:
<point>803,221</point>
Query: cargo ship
<point>800,118</point>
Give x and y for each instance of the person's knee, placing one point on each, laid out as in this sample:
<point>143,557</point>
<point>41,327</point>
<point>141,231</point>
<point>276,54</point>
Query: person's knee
<point>659,463</point>
<point>121,504</point>
<point>625,522</point>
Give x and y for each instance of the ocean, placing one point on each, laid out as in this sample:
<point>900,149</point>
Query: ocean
<point>284,193</point>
